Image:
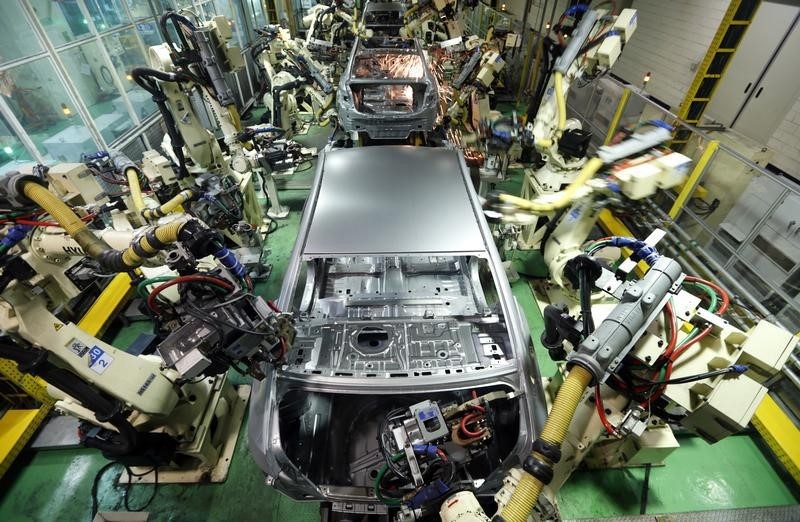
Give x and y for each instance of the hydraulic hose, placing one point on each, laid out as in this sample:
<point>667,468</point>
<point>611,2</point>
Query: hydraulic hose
<point>564,198</point>
<point>136,191</point>
<point>145,246</point>
<point>547,448</point>
<point>561,102</point>
<point>72,224</point>
<point>170,206</point>
<point>144,77</point>
<point>276,99</point>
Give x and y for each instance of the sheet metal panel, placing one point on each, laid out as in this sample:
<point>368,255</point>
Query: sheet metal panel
<point>370,202</point>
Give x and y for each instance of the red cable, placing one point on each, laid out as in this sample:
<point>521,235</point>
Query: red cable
<point>467,431</point>
<point>151,299</point>
<point>669,321</point>
<point>283,349</point>
<point>677,353</point>
<point>672,353</point>
<point>669,317</point>
<point>86,218</point>
<point>726,300</point>
<point>273,307</point>
<point>24,216</point>
<point>601,411</point>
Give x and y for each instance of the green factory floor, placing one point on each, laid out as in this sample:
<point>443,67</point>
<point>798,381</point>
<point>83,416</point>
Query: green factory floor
<point>56,484</point>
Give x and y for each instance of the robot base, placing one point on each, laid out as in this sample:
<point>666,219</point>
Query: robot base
<point>278,212</point>
<point>215,472</point>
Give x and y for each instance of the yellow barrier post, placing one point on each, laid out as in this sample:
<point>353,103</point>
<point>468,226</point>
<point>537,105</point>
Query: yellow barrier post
<point>780,434</point>
<point>612,127</point>
<point>691,183</point>
<point>111,300</point>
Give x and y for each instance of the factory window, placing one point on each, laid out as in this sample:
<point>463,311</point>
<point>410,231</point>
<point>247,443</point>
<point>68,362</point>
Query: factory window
<point>16,37</point>
<point>12,154</point>
<point>107,14</point>
<point>139,9</point>
<point>37,99</point>
<point>126,53</point>
<point>65,70</point>
<point>148,30</point>
<point>62,21</point>
<point>223,8</point>
<point>256,11</point>
<point>92,77</point>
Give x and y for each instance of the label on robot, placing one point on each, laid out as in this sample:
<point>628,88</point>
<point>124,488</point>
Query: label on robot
<point>77,347</point>
<point>99,360</point>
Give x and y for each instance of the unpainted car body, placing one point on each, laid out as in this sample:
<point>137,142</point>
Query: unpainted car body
<point>399,297</point>
<point>387,90</point>
<point>384,18</point>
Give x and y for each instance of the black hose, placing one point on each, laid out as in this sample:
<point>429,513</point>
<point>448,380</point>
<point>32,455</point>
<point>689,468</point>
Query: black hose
<point>551,226</point>
<point>276,100</point>
<point>585,289</point>
<point>176,21</point>
<point>143,77</point>
<point>551,337</point>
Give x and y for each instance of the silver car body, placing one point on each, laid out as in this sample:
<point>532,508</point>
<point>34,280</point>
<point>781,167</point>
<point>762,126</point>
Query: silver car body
<point>387,90</point>
<point>399,296</point>
<point>384,18</point>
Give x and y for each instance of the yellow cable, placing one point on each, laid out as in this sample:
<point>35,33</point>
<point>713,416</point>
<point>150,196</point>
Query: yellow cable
<point>561,102</point>
<point>69,221</point>
<point>564,198</point>
<point>170,206</point>
<point>93,246</point>
<point>136,190</point>
<point>526,494</point>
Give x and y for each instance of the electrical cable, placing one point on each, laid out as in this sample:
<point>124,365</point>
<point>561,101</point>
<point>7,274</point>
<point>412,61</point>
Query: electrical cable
<point>141,287</point>
<point>735,369</point>
<point>379,477</point>
<point>645,489</point>
<point>601,412</point>
<point>33,223</point>
<point>126,492</point>
<point>151,299</point>
<point>96,486</point>
<point>396,413</point>
<point>726,301</point>
<point>467,419</point>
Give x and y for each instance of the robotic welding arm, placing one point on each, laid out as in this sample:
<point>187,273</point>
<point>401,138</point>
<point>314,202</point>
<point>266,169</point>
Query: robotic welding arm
<point>144,409</point>
<point>594,45</point>
<point>643,381</point>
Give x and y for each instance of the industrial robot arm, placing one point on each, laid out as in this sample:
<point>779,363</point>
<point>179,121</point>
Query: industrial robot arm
<point>593,47</point>
<point>625,382</point>
<point>146,408</point>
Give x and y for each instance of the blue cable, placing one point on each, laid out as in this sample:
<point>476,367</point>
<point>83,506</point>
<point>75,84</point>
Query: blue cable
<point>229,261</point>
<point>16,234</point>
<point>576,9</point>
<point>641,250</point>
<point>660,123</point>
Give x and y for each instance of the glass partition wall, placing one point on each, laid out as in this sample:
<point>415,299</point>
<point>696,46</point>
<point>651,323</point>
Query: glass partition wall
<point>65,83</point>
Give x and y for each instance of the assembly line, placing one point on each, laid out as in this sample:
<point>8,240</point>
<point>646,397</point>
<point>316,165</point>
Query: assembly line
<point>395,374</point>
